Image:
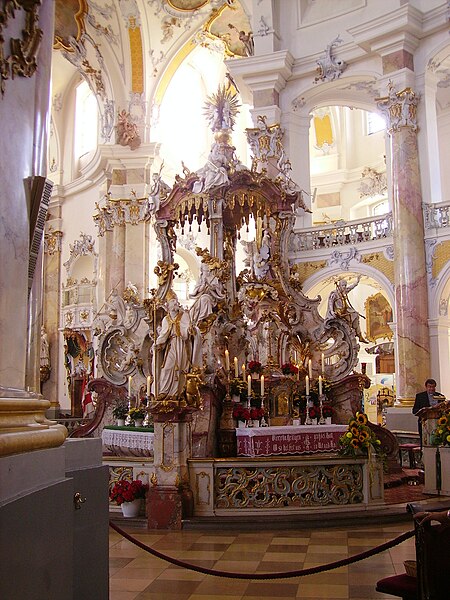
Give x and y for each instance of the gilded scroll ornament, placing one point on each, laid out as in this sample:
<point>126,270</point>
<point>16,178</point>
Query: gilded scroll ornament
<point>266,487</point>
<point>22,60</point>
<point>399,108</point>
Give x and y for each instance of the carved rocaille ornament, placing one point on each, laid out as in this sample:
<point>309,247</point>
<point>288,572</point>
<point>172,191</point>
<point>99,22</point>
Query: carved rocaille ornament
<point>22,57</point>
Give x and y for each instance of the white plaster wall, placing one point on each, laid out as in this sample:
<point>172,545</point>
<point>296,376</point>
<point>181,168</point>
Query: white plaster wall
<point>444,152</point>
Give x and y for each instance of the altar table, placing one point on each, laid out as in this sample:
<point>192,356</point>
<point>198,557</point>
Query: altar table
<point>128,441</point>
<point>288,439</point>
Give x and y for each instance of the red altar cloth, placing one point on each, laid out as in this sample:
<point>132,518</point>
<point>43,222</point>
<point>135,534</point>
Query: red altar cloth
<point>276,441</point>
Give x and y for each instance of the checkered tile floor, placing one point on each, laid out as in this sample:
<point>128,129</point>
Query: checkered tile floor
<point>136,575</point>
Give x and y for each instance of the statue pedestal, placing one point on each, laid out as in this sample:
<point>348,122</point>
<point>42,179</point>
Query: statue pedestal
<point>169,498</point>
<point>164,507</point>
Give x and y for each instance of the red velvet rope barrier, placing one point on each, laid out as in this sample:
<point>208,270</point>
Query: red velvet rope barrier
<point>301,573</point>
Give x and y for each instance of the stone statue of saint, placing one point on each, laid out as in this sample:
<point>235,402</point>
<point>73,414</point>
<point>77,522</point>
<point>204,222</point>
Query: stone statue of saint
<point>339,306</point>
<point>45,349</point>
<point>214,173</point>
<point>179,348</point>
<point>158,193</point>
<point>208,292</point>
<point>262,259</point>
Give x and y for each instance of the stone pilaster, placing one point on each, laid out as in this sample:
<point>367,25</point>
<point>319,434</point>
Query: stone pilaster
<point>169,499</point>
<point>51,309</point>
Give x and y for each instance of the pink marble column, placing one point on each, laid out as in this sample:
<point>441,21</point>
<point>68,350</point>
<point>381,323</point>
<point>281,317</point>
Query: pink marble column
<point>115,269</point>
<point>411,297</point>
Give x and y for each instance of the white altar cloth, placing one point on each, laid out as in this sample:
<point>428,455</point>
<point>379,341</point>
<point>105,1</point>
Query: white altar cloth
<point>128,443</point>
<point>288,439</point>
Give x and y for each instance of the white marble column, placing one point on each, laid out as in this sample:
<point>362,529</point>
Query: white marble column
<point>440,353</point>
<point>428,139</point>
<point>24,110</point>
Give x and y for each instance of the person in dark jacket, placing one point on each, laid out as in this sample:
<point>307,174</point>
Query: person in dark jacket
<point>426,399</point>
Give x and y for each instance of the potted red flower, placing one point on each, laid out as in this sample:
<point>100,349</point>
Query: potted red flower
<point>289,369</point>
<point>254,367</point>
<point>327,411</point>
<point>128,495</point>
<point>314,412</point>
<point>241,413</point>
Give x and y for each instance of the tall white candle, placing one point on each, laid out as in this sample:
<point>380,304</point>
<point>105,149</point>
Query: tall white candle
<point>307,385</point>
<point>243,372</point>
<point>262,385</point>
<point>227,360</point>
<point>249,385</point>
<point>323,363</point>
<point>129,385</point>
<point>320,385</point>
<point>236,368</point>
<point>148,385</point>
<point>310,368</point>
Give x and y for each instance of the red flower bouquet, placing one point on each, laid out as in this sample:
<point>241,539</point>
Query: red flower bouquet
<point>127,491</point>
<point>256,413</point>
<point>327,411</point>
<point>314,412</point>
<point>289,369</point>
<point>254,367</point>
<point>241,413</point>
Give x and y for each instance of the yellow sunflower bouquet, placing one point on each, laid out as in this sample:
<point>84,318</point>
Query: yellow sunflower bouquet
<point>441,435</point>
<point>359,439</point>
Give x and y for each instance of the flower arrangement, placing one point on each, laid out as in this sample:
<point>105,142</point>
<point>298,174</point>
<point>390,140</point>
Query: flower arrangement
<point>120,411</point>
<point>289,369</point>
<point>314,412</point>
<point>441,435</point>
<point>241,413</point>
<point>136,413</point>
<point>254,367</point>
<point>326,388</point>
<point>238,387</point>
<point>257,413</point>
<point>127,491</point>
<point>359,438</point>
<point>327,411</point>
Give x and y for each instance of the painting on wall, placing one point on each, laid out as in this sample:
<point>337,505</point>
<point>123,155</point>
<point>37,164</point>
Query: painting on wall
<point>378,316</point>
<point>69,22</point>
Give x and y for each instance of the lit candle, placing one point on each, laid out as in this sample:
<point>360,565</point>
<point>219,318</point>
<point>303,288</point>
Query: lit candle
<point>227,360</point>
<point>323,363</point>
<point>307,385</point>
<point>129,385</point>
<point>262,385</point>
<point>249,385</point>
<point>298,372</point>
<point>310,368</point>
<point>320,385</point>
<point>243,372</point>
<point>148,385</point>
<point>236,368</point>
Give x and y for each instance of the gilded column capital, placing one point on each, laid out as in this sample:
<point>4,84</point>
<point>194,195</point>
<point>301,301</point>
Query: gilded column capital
<point>52,241</point>
<point>399,108</point>
<point>119,211</point>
